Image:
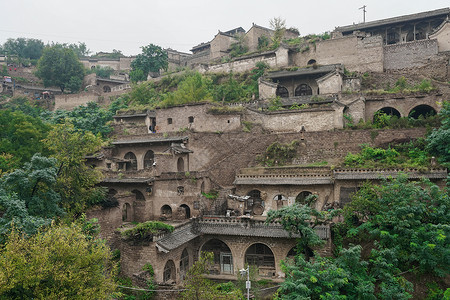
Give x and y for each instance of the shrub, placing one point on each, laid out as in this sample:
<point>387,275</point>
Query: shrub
<point>146,230</point>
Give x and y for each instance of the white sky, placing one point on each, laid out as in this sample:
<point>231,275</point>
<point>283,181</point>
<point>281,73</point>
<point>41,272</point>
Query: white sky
<point>181,24</point>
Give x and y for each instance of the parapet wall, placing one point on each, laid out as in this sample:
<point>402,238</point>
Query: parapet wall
<point>410,54</point>
<point>70,101</point>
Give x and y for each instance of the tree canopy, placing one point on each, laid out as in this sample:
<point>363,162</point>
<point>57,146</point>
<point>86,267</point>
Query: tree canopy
<point>152,59</point>
<point>59,66</point>
<point>24,48</point>
<point>60,263</point>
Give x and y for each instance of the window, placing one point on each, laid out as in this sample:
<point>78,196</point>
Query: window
<point>282,92</point>
<point>303,90</point>
<point>169,121</point>
<point>191,119</point>
<point>180,190</point>
<point>149,159</point>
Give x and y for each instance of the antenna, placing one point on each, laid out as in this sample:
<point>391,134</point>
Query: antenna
<point>364,12</point>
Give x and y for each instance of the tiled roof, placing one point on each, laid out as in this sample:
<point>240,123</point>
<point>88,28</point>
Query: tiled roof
<point>304,71</point>
<point>390,21</point>
<point>177,238</point>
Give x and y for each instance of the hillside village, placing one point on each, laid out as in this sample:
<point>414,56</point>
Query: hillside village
<point>208,168</point>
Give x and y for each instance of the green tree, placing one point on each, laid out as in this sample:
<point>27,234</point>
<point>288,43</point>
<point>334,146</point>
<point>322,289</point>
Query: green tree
<point>24,48</point>
<point>198,287</point>
<point>152,59</point>
<point>279,26</point>
<point>28,197</point>
<point>137,75</point>
<point>438,140</point>
<point>104,72</point>
<point>76,181</point>
<point>21,135</point>
<point>60,67</point>
<point>193,88</point>
<point>60,263</point>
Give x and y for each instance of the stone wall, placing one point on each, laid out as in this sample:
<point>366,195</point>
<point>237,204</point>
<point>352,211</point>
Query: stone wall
<point>70,101</point>
<point>355,53</point>
<point>410,54</point>
<point>442,35</point>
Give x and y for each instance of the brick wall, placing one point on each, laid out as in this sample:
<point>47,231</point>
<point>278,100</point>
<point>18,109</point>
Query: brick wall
<point>410,54</point>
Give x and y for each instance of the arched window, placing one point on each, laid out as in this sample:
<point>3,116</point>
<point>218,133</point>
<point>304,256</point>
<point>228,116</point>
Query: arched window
<point>282,92</point>
<point>390,111</point>
<point>110,199</point>
<point>223,260</point>
<point>191,119</point>
<point>169,271</point>
<point>149,159</point>
<point>166,212</point>
<point>180,164</point>
<point>186,211</point>
<point>139,196</point>
<point>303,90</point>
<point>301,197</point>
<point>106,89</point>
<point>126,213</point>
<point>422,110</point>
<point>311,62</point>
<point>131,162</point>
<point>260,255</point>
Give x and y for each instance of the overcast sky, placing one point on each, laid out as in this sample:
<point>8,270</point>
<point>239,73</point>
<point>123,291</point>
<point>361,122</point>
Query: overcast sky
<point>181,24</point>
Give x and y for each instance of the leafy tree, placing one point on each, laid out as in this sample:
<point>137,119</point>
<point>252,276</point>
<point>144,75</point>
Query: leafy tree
<point>137,75</point>
<point>60,263</point>
<point>194,88</point>
<point>76,181</point>
<point>103,72</point>
<point>407,218</point>
<point>200,288</point>
<point>438,140</point>
<point>279,26</point>
<point>21,135</point>
<point>152,59</point>
<point>91,118</point>
<point>24,48</point>
<point>28,197</point>
<point>301,220</point>
<point>60,67</point>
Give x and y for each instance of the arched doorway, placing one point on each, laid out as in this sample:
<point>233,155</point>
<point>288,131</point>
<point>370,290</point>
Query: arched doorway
<point>303,90</point>
<point>255,204</point>
<point>422,110</point>
<point>180,164</point>
<point>311,62</point>
<point>126,213</point>
<point>166,212</point>
<point>280,200</point>
<point>223,260</point>
<point>169,272</point>
<point>380,119</point>
<point>107,89</point>
<point>149,159</point>
<point>186,211</point>
<point>139,196</point>
<point>184,264</point>
<point>292,253</point>
<point>130,162</point>
<point>301,197</point>
<point>262,257</point>
<point>282,92</point>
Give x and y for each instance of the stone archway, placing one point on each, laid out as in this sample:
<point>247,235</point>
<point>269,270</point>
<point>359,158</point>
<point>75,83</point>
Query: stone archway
<point>301,197</point>
<point>422,110</point>
<point>166,212</point>
<point>261,256</point>
<point>149,159</point>
<point>282,92</point>
<point>223,259</point>
<point>186,211</point>
<point>184,264</point>
<point>131,162</point>
<point>169,274</point>
<point>303,90</point>
<point>127,213</point>
<point>106,89</point>
<point>180,164</point>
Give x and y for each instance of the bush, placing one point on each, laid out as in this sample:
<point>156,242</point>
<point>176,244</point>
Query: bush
<point>146,230</point>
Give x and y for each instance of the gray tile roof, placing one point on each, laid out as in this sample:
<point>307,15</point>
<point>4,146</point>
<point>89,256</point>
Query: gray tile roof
<point>390,21</point>
<point>177,238</point>
<point>304,71</point>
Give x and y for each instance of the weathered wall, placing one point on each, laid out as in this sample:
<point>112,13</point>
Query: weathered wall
<point>410,54</point>
<point>202,120</point>
<point>330,83</point>
<point>319,119</point>
<point>70,101</point>
<point>404,105</point>
<point>219,45</point>
<point>252,37</point>
<point>267,89</point>
<point>355,53</point>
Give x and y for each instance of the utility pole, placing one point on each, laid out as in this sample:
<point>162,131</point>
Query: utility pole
<point>364,12</point>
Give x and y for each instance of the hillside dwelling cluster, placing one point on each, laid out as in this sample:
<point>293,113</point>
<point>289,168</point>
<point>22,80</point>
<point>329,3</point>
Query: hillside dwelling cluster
<point>202,166</point>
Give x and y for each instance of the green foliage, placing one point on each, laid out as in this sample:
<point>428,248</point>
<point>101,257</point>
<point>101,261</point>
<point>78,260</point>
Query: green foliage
<point>76,180</point>
<point>213,194</point>
<point>238,48</point>
<point>146,230</point>
<point>407,219</point>
<point>402,86</point>
<point>230,91</point>
<point>104,72</point>
<point>23,48</point>
<point>279,27</point>
<point>438,140</point>
<point>412,155</point>
<point>137,75</point>
<point>275,104</point>
<point>263,43</point>
<point>90,118</point>
<point>194,88</point>
<point>152,59</point>
<point>198,287</point>
<point>60,263</point>
<point>226,110</point>
<point>60,67</point>
<point>28,196</point>
<point>279,154</point>
<point>21,135</point>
